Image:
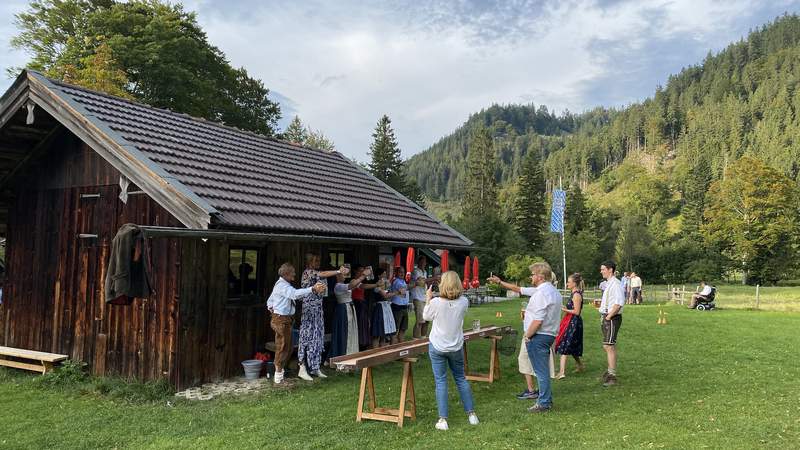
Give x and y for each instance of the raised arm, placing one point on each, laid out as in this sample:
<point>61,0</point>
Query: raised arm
<point>509,286</point>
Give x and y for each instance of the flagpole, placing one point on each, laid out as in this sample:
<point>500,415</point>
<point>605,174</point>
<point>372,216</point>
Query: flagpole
<point>563,245</point>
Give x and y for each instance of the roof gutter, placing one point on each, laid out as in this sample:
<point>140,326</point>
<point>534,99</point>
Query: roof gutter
<point>155,231</point>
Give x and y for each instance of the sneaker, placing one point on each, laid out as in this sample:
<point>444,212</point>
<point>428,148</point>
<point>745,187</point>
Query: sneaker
<point>473,419</point>
<point>528,395</point>
<point>604,377</point>
<point>611,380</point>
<point>442,424</point>
<point>537,408</point>
<point>278,377</point>
<point>302,373</point>
<point>320,374</point>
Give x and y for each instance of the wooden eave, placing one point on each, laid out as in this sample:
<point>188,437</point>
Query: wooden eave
<point>163,188</point>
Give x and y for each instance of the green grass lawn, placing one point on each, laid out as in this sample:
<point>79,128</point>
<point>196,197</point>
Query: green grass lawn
<point>721,379</point>
<point>737,296</point>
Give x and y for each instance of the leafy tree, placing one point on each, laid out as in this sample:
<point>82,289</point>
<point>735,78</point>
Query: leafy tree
<point>752,218</point>
<point>517,268</point>
<point>296,132</point>
<point>529,208</point>
<point>163,52</point>
<point>99,72</point>
<point>480,186</point>
<point>315,139</point>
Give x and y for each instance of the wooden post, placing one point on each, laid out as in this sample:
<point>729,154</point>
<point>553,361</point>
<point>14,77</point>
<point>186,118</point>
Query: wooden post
<point>758,299</point>
<point>494,363</point>
<point>408,398</point>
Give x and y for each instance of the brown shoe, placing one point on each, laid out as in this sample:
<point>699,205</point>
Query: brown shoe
<point>611,380</point>
<point>604,377</point>
<point>580,368</point>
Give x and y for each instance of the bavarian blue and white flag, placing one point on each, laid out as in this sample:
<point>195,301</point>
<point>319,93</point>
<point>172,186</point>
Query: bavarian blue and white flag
<point>557,214</point>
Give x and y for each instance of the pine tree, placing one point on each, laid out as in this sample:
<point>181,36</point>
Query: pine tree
<point>412,191</point>
<point>384,152</point>
<point>577,215</point>
<point>694,195</point>
<point>296,132</point>
<point>529,208</point>
<point>480,185</point>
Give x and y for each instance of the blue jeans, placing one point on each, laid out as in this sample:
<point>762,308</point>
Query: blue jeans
<point>439,363</point>
<point>539,353</point>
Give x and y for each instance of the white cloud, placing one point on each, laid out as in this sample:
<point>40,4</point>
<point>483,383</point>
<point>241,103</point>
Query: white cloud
<point>428,65</point>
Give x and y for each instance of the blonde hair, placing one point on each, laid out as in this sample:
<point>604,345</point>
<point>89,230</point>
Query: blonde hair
<point>450,286</point>
<point>543,269</point>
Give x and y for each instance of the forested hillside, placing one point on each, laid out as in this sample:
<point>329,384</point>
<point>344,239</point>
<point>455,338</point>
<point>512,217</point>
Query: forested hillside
<point>658,168</point>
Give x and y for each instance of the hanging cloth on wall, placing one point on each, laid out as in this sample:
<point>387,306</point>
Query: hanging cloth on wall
<point>128,274</point>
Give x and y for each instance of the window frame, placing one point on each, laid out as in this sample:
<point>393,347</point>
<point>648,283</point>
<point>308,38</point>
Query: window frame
<point>241,298</point>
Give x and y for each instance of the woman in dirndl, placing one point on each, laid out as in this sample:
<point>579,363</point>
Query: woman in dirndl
<point>344,338</point>
<point>382,325</point>
<point>569,341</point>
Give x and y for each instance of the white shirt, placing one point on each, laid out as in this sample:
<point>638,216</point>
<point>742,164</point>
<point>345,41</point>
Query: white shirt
<point>343,293</point>
<point>544,305</point>
<point>612,295</point>
<point>418,292</point>
<point>636,282</point>
<point>447,333</point>
<point>281,300</point>
<point>706,291</point>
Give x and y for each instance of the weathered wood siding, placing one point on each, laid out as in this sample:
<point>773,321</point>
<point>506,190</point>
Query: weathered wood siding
<point>54,289</point>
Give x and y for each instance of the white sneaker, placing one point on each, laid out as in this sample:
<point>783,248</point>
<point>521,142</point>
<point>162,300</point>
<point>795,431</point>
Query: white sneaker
<point>278,377</point>
<point>320,374</point>
<point>302,373</point>
<point>442,425</point>
<point>473,419</point>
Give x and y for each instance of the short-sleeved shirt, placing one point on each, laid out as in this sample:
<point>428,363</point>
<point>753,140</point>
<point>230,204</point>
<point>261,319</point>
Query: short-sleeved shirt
<point>418,292</point>
<point>706,290</point>
<point>544,305</point>
<point>612,295</point>
<point>397,284</point>
<point>636,282</point>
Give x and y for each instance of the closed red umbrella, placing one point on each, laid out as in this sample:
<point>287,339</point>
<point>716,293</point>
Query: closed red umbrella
<point>475,280</point>
<point>445,261</point>
<point>397,263</point>
<point>409,263</point>
<point>465,282</point>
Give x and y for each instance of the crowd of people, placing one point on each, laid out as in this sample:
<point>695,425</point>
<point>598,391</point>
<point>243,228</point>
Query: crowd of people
<point>360,324</point>
<point>372,310</point>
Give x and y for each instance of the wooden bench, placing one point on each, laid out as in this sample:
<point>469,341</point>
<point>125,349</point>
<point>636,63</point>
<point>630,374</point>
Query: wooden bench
<point>45,360</point>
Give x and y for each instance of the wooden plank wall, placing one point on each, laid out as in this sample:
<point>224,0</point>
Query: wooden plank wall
<point>53,299</point>
<point>214,337</point>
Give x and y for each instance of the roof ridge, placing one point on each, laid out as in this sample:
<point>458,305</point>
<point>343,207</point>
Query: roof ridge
<point>180,114</point>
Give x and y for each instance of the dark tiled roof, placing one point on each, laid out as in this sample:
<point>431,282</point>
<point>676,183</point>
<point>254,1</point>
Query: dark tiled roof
<point>264,184</point>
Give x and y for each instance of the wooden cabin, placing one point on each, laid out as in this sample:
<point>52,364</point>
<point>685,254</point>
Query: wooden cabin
<point>75,165</point>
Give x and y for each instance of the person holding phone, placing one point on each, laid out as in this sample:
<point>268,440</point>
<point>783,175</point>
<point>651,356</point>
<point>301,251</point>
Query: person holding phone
<point>446,346</point>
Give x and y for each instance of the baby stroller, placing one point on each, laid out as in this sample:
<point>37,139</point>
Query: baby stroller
<point>707,303</point>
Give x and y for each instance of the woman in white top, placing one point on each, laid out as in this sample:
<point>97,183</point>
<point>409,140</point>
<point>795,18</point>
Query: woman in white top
<point>446,347</point>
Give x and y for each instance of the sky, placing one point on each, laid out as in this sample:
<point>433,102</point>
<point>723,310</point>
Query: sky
<point>340,65</point>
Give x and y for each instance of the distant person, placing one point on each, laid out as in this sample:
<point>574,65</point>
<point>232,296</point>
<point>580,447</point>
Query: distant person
<point>611,319</point>
<point>382,326</point>
<point>419,283</point>
<point>636,289</point>
<point>446,346</point>
<point>542,316</point>
<point>569,341</point>
<point>705,291</point>
<point>399,296</point>
<point>281,305</point>
<point>626,286</point>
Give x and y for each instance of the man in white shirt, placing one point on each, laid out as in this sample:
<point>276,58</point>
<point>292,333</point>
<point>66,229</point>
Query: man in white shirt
<point>281,305</point>
<point>611,311</point>
<point>542,317</point>
<point>636,289</point>
<point>705,291</point>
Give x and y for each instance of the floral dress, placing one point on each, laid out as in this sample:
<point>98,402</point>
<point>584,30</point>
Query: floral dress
<point>570,332</point>
<point>312,325</point>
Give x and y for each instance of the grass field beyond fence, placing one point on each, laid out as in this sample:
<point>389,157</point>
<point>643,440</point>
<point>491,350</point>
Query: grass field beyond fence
<point>737,296</point>
<point>721,379</point>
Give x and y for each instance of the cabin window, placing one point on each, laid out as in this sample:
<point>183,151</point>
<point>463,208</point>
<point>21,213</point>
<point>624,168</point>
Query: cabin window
<point>243,273</point>
<point>335,258</point>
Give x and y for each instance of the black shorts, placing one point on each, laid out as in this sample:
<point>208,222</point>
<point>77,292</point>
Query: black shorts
<point>610,329</point>
<point>400,314</point>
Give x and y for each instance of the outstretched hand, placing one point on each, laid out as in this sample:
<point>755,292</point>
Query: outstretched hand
<point>494,279</point>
